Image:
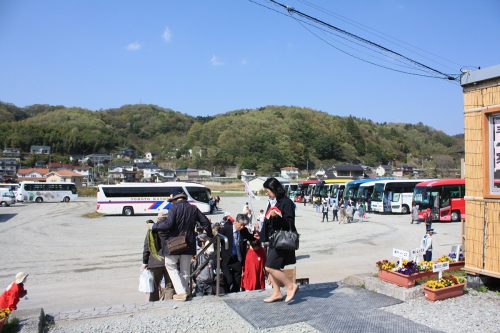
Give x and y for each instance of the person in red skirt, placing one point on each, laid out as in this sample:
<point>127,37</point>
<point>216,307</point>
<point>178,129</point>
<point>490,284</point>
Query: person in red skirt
<point>253,271</point>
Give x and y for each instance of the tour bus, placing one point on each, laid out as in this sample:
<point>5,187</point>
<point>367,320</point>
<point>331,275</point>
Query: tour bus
<point>352,187</point>
<point>291,190</point>
<point>365,193</point>
<point>394,196</point>
<point>445,197</point>
<point>46,192</point>
<point>306,188</point>
<point>333,188</point>
<point>148,198</point>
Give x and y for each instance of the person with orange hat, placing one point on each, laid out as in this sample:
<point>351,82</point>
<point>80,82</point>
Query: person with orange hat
<point>14,292</point>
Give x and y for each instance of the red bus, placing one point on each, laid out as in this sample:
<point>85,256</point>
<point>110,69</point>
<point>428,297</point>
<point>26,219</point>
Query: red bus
<point>445,197</point>
<point>306,189</point>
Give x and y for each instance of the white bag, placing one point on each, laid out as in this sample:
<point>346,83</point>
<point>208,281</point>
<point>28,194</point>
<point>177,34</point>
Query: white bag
<point>146,282</point>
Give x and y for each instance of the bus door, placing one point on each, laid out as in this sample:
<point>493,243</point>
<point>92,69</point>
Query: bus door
<point>387,200</point>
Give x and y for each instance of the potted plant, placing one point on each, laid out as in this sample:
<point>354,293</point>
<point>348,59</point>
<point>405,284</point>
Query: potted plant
<point>446,287</point>
<point>454,266</point>
<point>4,315</point>
<point>406,275</point>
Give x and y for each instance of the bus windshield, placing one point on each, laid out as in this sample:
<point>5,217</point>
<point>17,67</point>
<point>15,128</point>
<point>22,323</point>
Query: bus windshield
<point>199,193</point>
<point>378,192</point>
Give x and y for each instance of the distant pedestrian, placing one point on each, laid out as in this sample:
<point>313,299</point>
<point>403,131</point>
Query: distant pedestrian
<point>349,213</point>
<point>317,204</point>
<point>428,219</point>
<point>361,211</point>
<point>324,210</point>
<point>426,244</point>
<point>335,209</point>
<point>414,214</point>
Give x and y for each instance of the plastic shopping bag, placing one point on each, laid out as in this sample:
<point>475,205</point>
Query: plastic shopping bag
<point>146,283</point>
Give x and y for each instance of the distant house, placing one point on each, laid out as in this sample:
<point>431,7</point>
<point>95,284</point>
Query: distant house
<point>247,175</point>
<point>321,173</point>
<point>349,170</point>
<point>76,157</point>
<point>8,166</point>
<point>383,170</point>
<point>32,174</point>
<point>123,173</point>
<point>151,155</point>
<point>98,158</point>
<point>65,176</point>
<point>290,172</point>
<point>141,161</point>
<point>40,150</point>
<point>231,172</point>
<point>12,152</point>
<point>54,165</point>
<point>166,175</point>
<point>85,171</point>
<point>256,184</point>
<point>126,153</point>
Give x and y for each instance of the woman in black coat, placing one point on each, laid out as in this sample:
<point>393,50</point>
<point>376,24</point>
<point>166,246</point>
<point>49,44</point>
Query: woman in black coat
<point>278,259</point>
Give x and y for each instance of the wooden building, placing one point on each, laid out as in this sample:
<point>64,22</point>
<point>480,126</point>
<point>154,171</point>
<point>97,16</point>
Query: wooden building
<point>482,170</point>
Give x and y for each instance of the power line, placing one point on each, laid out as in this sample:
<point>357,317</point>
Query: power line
<point>357,43</point>
<point>382,35</point>
<point>353,38</point>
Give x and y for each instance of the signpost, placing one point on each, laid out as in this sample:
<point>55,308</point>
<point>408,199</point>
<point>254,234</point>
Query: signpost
<point>440,267</point>
<point>400,254</point>
<point>456,249</point>
<point>417,253</point>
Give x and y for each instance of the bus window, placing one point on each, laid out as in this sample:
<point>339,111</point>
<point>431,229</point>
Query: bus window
<point>198,193</point>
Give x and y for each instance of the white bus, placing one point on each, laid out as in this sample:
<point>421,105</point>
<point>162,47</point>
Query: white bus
<point>148,198</point>
<point>394,196</point>
<point>46,192</point>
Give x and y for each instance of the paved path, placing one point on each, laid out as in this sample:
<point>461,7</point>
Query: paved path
<point>325,307</point>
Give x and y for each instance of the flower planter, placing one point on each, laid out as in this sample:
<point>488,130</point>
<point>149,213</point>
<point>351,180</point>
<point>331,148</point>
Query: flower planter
<point>403,280</point>
<point>456,266</point>
<point>444,293</point>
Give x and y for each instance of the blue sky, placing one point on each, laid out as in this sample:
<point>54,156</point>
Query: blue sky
<point>206,57</point>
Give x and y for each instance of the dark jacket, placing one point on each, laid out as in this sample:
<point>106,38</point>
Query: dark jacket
<point>245,235</point>
<point>182,218</point>
<point>286,222</point>
<point>147,257</point>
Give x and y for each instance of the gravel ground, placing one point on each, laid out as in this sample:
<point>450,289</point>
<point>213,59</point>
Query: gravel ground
<point>202,315</point>
<point>472,312</point>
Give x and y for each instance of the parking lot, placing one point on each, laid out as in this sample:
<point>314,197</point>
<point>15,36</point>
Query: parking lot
<point>80,262</point>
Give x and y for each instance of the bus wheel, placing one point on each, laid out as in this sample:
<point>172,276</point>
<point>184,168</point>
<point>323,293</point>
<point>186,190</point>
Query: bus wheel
<point>128,211</point>
<point>38,200</point>
<point>66,199</point>
<point>455,216</point>
<point>405,209</point>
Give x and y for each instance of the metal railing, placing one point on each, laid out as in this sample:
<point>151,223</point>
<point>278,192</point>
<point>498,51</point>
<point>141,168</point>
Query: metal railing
<point>218,237</point>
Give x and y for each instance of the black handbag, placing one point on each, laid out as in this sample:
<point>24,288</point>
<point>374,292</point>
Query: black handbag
<point>284,240</point>
<point>177,245</point>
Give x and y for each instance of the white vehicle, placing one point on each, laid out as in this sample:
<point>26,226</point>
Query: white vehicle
<point>148,198</point>
<point>7,197</point>
<point>394,196</point>
<point>47,192</point>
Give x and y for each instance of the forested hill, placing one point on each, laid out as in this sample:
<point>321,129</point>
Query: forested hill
<point>264,139</point>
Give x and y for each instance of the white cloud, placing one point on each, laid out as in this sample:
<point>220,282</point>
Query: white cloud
<point>135,46</point>
<point>167,35</point>
<point>215,61</point>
